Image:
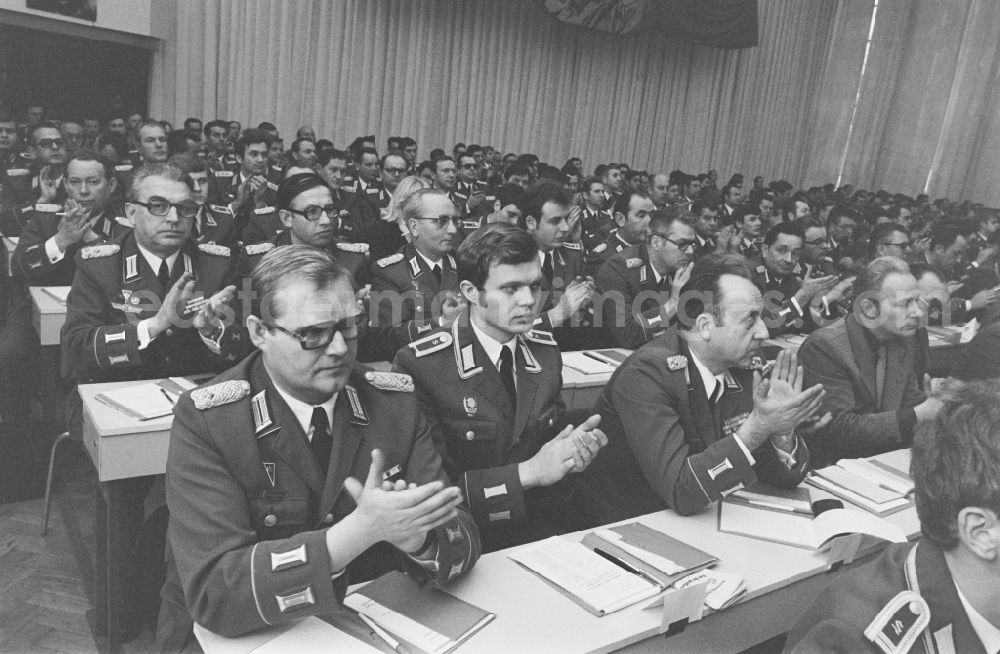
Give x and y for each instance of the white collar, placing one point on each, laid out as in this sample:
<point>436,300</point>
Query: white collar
<point>154,261</point>
<point>361,184</point>
<point>491,345</point>
<point>430,264</point>
<point>656,274</point>
<point>304,412</point>
<point>710,381</point>
<point>989,634</point>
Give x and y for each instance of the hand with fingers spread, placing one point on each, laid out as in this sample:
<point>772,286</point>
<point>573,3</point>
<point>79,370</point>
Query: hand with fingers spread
<point>74,226</point>
<point>403,515</point>
<point>780,404</point>
<point>215,311</point>
<point>170,312</point>
<point>48,186</point>
<point>451,308</point>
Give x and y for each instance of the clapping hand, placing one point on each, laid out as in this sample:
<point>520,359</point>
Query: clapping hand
<point>779,403</point>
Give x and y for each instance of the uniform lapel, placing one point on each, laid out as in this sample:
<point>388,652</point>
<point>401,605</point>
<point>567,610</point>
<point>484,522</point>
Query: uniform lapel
<point>701,414</point>
<point>287,439</point>
<point>346,443</point>
<point>527,386</point>
<point>937,587</point>
<point>487,382</point>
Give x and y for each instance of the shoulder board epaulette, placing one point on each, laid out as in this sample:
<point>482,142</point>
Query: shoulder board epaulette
<point>900,622</point>
<point>219,394</point>
<point>263,211</point>
<point>99,251</point>
<point>540,336</point>
<point>389,260</point>
<point>124,222</point>
<point>220,208</point>
<point>120,168</point>
<point>272,186</point>
<point>572,246</point>
<point>633,262</point>
<point>600,248</point>
<point>212,248</point>
<point>48,208</point>
<point>258,248</point>
<point>224,173</point>
<point>390,381</point>
<point>361,248</point>
<point>677,362</point>
<point>18,172</point>
<point>431,343</point>
<point>761,269</point>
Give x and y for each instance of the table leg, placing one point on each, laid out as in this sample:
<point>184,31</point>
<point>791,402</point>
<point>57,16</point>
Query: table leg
<point>113,565</point>
<point>101,565</point>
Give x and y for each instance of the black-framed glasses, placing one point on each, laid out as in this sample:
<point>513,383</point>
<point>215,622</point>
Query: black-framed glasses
<point>468,166</point>
<point>681,245</point>
<point>394,171</point>
<point>160,207</point>
<point>313,212</point>
<point>315,337</point>
<point>442,220</point>
<point>50,143</point>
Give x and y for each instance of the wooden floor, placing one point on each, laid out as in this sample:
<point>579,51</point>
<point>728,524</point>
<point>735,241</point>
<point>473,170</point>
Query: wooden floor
<point>47,583</point>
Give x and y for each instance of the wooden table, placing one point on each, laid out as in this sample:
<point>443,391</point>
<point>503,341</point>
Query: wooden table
<point>121,448</point>
<point>534,617</point>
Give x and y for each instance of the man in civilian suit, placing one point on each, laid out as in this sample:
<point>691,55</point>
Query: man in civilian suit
<point>865,363</point>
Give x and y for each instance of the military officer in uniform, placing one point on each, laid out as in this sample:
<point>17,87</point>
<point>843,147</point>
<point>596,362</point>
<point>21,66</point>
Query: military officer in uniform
<point>595,223</point>
<point>270,519</point>
<point>248,192</point>
<point>638,288</point>
<point>40,184</point>
<point>215,223</point>
<point>686,421</point>
<point>815,259</point>
<point>491,390</point>
<point>8,144</point>
<point>706,227</point>
<point>46,251</point>
<point>942,593</point>
<point>416,289</point>
<point>216,137</point>
<point>746,218</point>
<point>632,213</point>
<point>365,197</point>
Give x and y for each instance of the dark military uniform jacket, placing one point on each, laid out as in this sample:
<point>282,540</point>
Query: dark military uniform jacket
<point>904,601</point>
<point>463,191</point>
<point>782,313</point>
<point>225,161</point>
<point>363,221</point>
<point>597,257</point>
<point>114,289</point>
<point>250,505</point>
<point>405,294</point>
<point>31,262</point>
<point>216,223</point>
<point>626,279</point>
<point>750,249</point>
<point>353,256</point>
<point>481,435</point>
<point>579,333</point>
<point>253,224</point>
<point>703,246</point>
<point>18,196</point>
<point>595,227</point>
<point>667,445</point>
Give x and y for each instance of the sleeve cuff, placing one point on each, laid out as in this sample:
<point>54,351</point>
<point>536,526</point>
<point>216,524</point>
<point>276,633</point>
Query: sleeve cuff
<point>142,331</point>
<point>798,309</point>
<point>744,449</point>
<point>52,251</point>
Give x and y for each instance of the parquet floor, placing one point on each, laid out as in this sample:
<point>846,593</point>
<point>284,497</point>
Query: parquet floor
<point>47,583</point>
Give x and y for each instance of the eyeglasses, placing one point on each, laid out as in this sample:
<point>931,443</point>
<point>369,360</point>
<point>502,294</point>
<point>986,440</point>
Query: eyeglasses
<point>50,143</point>
<point>161,207</point>
<point>394,171</point>
<point>317,336</point>
<point>468,166</point>
<point>681,245</point>
<point>313,212</point>
<point>442,220</point>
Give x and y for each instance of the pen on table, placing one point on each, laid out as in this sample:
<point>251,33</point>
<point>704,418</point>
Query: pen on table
<point>52,295</point>
<point>627,566</point>
<point>168,396</point>
<point>780,507</point>
<point>384,635</point>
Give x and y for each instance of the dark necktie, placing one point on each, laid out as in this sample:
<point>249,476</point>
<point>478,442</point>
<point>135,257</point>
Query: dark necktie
<point>163,276</point>
<point>507,373</point>
<point>437,272</point>
<point>880,364</point>
<point>547,267</point>
<point>322,441</point>
<point>664,283</point>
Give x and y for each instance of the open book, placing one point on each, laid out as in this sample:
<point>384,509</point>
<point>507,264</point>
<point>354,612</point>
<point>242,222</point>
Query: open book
<point>425,618</point>
<point>653,552</point>
<point>149,400</point>
<point>588,365</point>
<point>599,584</point>
<point>872,487</point>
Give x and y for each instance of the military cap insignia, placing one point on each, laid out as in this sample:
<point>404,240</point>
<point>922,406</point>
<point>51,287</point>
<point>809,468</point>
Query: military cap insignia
<point>633,262</point>
<point>360,248</point>
<point>217,250</point>
<point>540,336</point>
<point>99,251</point>
<point>572,246</point>
<point>219,394</point>
<point>900,622</point>
<point>390,381</point>
<point>221,208</point>
<point>677,362</point>
<point>600,248</point>
<point>258,248</point>
<point>389,260</point>
<point>263,211</point>
<point>47,208</point>
<point>431,343</point>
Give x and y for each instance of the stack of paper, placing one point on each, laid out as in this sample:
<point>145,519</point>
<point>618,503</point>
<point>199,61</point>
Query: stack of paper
<point>653,552</point>
<point>426,618</point>
<point>796,500</point>
<point>723,589</point>
<point>588,365</point>
<point>142,401</point>
<point>589,579</point>
<point>863,485</point>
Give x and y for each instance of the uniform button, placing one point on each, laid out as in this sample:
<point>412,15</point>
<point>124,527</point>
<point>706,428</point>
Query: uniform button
<point>170,332</point>
<point>469,435</point>
<point>270,520</point>
<point>552,421</point>
<point>328,518</point>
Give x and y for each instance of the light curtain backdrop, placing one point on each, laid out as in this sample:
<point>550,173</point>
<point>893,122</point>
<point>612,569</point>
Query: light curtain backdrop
<point>502,73</point>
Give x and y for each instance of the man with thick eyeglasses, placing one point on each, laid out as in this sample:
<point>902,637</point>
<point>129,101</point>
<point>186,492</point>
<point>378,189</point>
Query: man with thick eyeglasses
<point>470,194</point>
<point>38,184</point>
<point>298,472</point>
<point>491,389</point>
<point>638,287</point>
<point>310,217</point>
<point>416,289</point>
<point>46,251</point>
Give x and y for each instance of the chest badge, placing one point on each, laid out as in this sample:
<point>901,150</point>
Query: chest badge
<point>471,406</point>
<point>269,469</point>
